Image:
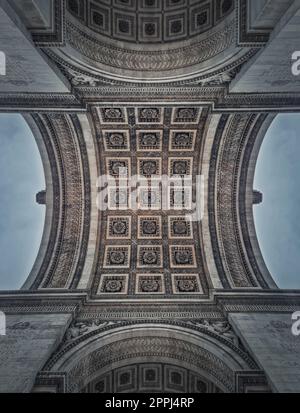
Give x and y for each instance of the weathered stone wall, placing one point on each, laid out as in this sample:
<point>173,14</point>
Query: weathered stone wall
<point>268,337</point>
<point>29,342</point>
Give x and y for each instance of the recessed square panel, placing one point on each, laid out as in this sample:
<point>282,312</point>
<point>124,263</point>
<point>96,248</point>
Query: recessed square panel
<point>118,199</point>
<point>150,115</point>
<point>150,256</point>
<point>150,284</point>
<point>113,115</point>
<point>201,18</point>
<point>176,379</point>
<point>180,198</point>
<point>150,28</point>
<point>125,4</point>
<point>149,227</point>
<point>180,227</point>
<point>124,27</point>
<point>99,18</point>
<point>102,385</point>
<point>151,377</point>
<point>182,140</point>
<point>119,227</point>
<point>186,284</point>
<point>125,379</point>
<point>223,8</point>
<point>149,140</point>
<point>77,8</point>
<point>118,167</point>
<point>198,385</point>
<point>117,256</point>
<point>173,4</point>
<point>186,115</point>
<point>113,284</point>
<point>182,256</point>
<point>175,26</point>
<point>180,167</point>
<point>149,167</point>
<point>149,198</point>
<point>150,5</point>
<point>116,140</point>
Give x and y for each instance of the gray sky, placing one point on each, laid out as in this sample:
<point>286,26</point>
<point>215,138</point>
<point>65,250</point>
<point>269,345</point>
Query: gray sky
<point>21,219</point>
<point>278,217</point>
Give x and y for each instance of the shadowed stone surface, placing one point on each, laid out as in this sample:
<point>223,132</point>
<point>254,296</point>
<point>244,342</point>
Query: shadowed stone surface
<point>29,341</point>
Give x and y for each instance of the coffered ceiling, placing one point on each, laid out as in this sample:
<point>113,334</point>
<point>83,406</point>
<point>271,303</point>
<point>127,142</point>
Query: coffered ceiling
<point>150,21</point>
<point>149,238</point>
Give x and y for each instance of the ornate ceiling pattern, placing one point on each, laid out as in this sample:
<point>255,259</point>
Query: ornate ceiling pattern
<point>116,41</point>
<point>151,377</point>
<point>149,241</point>
<point>150,21</point>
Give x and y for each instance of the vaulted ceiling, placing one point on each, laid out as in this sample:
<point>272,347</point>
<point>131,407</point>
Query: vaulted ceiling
<point>150,241</point>
<point>150,21</point>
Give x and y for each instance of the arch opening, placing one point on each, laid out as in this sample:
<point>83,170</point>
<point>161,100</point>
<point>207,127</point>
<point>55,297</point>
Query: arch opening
<point>276,218</point>
<point>22,210</point>
<point>122,357</point>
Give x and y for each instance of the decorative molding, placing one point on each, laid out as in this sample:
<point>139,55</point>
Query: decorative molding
<point>40,102</point>
<point>126,59</point>
<point>82,332</point>
<point>82,78</point>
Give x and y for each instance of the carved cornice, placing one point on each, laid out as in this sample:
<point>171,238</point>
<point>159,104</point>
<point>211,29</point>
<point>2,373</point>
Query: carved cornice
<point>79,303</point>
<point>259,302</point>
<point>38,302</point>
<point>217,97</point>
<point>88,80</point>
<point>40,102</point>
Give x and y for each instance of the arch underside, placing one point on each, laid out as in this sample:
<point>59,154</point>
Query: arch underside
<point>127,357</point>
<point>217,237</point>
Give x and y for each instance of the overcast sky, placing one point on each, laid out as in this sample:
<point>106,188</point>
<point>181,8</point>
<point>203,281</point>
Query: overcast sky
<point>21,219</point>
<point>277,218</point>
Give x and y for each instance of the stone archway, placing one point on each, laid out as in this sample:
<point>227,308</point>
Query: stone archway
<point>198,352</point>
